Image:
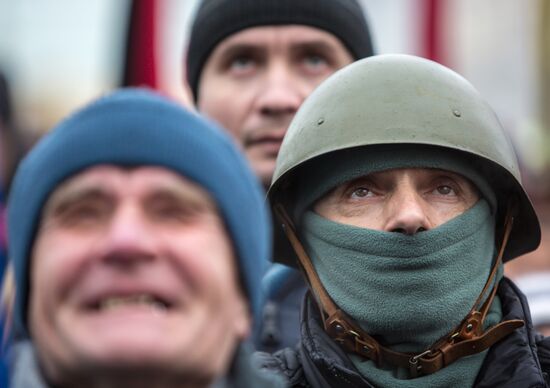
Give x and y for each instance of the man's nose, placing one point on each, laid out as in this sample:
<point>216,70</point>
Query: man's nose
<point>128,239</point>
<point>406,212</point>
<point>280,94</point>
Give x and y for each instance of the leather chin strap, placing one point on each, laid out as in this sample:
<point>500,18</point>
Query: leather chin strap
<point>464,340</point>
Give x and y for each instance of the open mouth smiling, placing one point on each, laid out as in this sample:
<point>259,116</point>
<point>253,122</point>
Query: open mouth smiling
<point>138,300</point>
<point>147,300</point>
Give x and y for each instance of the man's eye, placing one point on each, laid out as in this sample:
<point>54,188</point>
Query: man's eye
<point>174,213</point>
<point>242,64</point>
<point>361,192</point>
<point>315,62</point>
<point>168,212</point>
<point>82,214</point>
<point>445,190</point>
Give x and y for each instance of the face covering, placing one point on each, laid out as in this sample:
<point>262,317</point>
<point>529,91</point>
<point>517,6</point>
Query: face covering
<point>407,291</point>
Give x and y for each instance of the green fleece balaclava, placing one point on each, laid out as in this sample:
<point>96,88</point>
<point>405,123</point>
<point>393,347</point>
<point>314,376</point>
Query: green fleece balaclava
<point>407,291</point>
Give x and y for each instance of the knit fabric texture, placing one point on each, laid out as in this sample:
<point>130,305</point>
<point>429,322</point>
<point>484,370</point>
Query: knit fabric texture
<point>336,168</point>
<point>407,291</point>
<point>217,19</point>
<point>131,128</point>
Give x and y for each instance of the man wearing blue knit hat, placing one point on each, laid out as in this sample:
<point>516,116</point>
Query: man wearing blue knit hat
<point>138,237</point>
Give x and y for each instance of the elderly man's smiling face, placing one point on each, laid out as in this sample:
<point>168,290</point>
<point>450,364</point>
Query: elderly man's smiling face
<point>400,200</point>
<point>132,270</point>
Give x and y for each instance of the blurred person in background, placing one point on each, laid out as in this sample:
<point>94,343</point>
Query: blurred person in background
<point>10,152</point>
<point>249,66</point>
<point>138,238</point>
<point>10,141</point>
<point>536,287</point>
<point>532,274</point>
<point>401,194</point>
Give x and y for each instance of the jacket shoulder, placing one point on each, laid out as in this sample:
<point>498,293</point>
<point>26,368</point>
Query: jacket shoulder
<point>543,352</point>
<point>286,363</point>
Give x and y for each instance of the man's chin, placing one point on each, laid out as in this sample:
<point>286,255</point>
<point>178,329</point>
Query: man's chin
<point>132,337</point>
<point>131,354</point>
<point>131,347</point>
<point>105,365</point>
<point>153,365</point>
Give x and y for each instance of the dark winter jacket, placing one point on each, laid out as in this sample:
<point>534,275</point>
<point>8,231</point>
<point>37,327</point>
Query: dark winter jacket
<point>26,372</point>
<point>284,288</point>
<point>521,360</point>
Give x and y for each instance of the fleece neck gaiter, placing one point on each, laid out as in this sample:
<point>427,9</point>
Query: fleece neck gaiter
<point>407,291</point>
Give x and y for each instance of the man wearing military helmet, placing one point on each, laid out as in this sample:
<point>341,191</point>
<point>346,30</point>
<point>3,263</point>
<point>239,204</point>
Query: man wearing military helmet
<point>401,196</point>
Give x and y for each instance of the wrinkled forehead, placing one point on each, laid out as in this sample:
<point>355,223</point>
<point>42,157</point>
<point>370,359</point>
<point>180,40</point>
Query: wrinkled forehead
<point>121,181</point>
<point>331,170</point>
<point>396,177</point>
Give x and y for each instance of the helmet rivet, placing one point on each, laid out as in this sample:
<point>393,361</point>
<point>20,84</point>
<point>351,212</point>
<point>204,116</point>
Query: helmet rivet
<point>321,121</point>
<point>469,327</point>
<point>457,113</point>
<point>338,328</point>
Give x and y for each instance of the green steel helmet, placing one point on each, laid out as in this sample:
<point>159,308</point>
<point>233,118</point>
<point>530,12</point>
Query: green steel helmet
<point>395,99</point>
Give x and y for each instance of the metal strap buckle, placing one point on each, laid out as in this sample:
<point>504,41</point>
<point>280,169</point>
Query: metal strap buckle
<point>414,367</point>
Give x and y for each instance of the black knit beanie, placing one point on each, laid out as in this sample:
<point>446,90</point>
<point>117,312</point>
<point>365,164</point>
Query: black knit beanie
<point>217,19</point>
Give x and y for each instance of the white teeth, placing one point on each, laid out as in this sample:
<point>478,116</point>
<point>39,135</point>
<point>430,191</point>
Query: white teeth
<point>140,299</point>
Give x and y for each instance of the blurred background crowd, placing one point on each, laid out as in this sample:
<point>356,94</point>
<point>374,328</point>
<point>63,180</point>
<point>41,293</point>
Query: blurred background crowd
<point>58,55</point>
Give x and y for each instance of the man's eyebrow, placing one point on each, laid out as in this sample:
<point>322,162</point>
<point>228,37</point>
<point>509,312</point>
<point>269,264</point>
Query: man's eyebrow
<point>236,49</point>
<point>449,174</point>
<point>361,179</point>
<point>174,193</point>
<point>312,45</point>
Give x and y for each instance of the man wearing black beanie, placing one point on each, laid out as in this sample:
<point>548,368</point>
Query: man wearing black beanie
<point>250,64</point>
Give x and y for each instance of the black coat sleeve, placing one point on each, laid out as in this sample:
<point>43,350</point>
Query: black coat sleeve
<point>543,350</point>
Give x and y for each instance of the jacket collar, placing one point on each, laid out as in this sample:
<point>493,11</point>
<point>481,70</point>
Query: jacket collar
<point>513,362</point>
<point>26,371</point>
<point>510,363</point>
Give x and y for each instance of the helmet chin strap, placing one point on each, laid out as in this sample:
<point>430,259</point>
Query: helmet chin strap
<point>464,340</point>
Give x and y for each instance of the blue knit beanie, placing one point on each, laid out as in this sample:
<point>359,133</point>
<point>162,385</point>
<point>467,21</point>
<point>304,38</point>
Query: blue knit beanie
<point>134,127</point>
